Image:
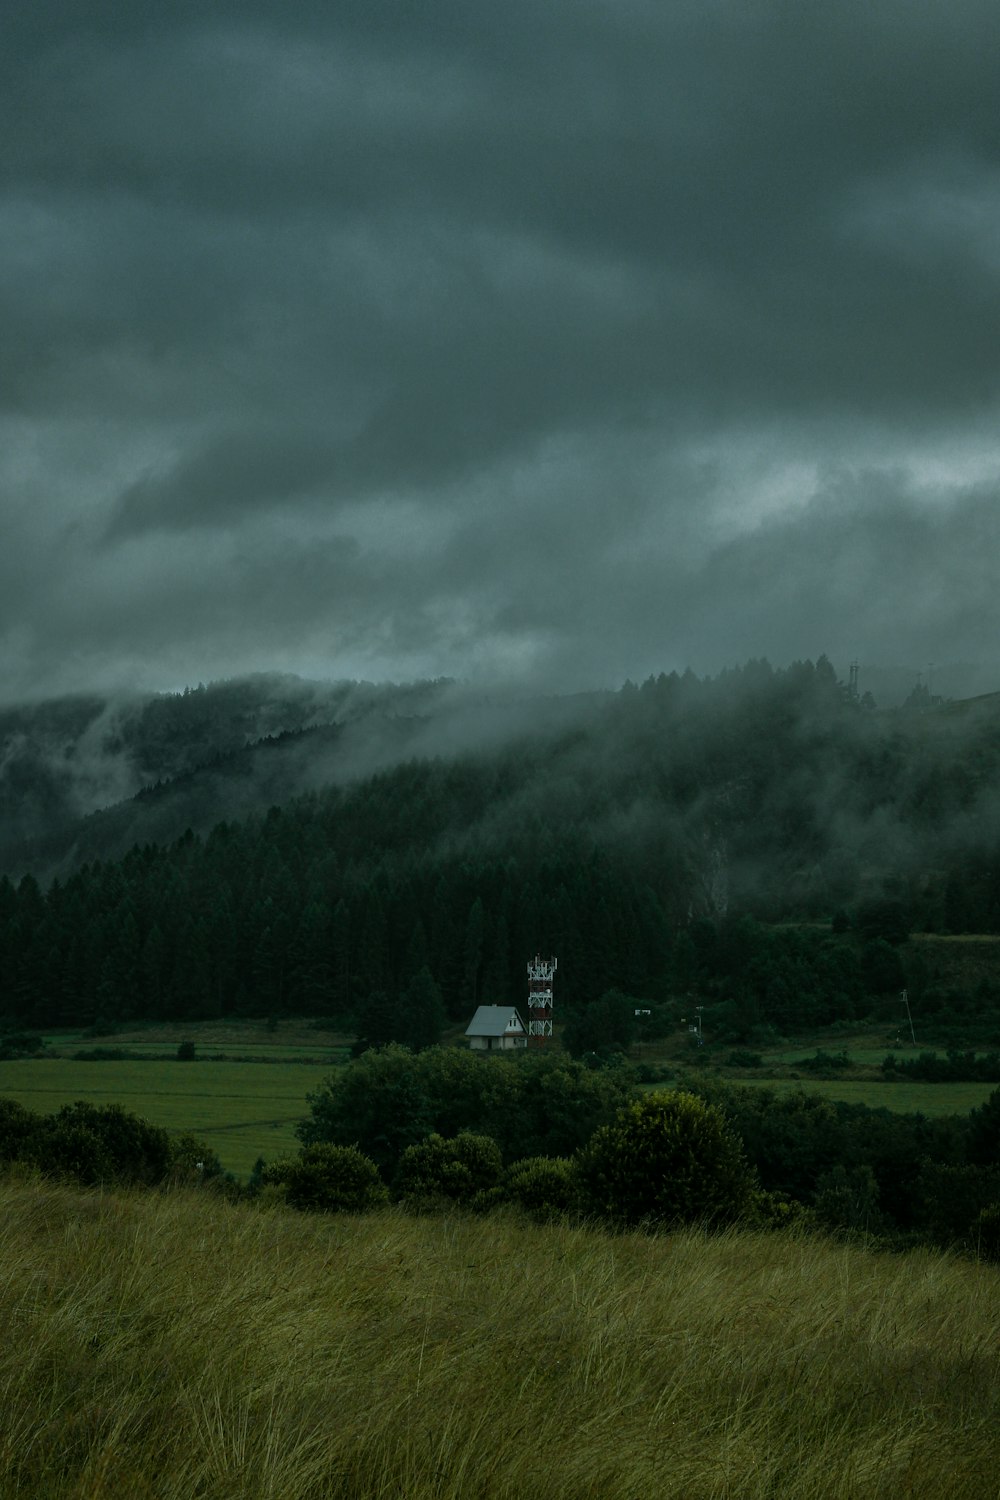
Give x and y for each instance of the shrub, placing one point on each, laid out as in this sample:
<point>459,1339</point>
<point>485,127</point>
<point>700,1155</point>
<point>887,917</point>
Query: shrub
<point>186,1052</point>
<point>102,1143</point>
<point>68,1149</point>
<point>379,1100</point>
<point>825,1064</point>
<point>984,1131</point>
<point>329,1179</point>
<point>20,1046</point>
<point>455,1171</point>
<point>19,1128</point>
<point>545,1187</point>
<point>668,1159</point>
<point>16,1045</point>
<point>191,1160</point>
<point>779,1211</point>
<point>742,1057</point>
<point>651,1072</point>
<point>954,1198</point>
<point>848,1199</point>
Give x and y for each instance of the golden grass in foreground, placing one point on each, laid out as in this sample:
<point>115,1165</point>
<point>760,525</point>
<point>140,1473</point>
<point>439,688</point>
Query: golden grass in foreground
<point>180,1347</point>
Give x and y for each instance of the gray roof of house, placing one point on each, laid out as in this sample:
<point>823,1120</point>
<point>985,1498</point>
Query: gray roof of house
<point>492,1020</point>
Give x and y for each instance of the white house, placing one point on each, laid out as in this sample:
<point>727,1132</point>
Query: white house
<point>496,1028</point>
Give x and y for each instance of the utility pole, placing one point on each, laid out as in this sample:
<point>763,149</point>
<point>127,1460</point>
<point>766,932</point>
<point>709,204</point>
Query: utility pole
<point>906,1001</point>
<point>694,1030</point>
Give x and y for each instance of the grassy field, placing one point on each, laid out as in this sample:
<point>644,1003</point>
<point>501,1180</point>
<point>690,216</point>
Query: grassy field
<point>235,1051</point>
<point>243,1110</point>
<point>289,1041</point>
<point>170,1346</point>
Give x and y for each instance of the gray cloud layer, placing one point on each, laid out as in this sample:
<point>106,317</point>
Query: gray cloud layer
<point>555,340</point>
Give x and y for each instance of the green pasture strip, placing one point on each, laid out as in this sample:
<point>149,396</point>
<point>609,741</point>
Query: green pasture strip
<point>254,1050</point>
<point>239,1146</point>
<point>243,1110</point>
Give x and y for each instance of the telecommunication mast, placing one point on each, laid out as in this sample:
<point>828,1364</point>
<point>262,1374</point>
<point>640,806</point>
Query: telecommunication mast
<point>540,972</point>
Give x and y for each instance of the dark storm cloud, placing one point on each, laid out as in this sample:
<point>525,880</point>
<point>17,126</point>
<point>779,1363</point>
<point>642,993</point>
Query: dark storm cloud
<point>541,339</point>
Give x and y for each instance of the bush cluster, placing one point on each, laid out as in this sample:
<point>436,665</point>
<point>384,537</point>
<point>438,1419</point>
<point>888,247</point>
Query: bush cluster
<point>956,1067</point>
<point>94,1144</point>
<point>529,1104</point>
<point>668,1159</point>
<point>329,1179</point>
<point>15,1045</point>
<point>466,1169</point>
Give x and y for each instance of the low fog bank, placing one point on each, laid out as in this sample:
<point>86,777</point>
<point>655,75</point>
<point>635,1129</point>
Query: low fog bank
<point>776,787</point>
<point>84,778</point>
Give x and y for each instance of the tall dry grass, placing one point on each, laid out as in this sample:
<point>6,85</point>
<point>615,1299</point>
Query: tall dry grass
<point>180,1347</point>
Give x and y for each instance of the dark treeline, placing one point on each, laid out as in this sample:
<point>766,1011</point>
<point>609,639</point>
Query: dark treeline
<point>644,847</point>
<point>301,912</point>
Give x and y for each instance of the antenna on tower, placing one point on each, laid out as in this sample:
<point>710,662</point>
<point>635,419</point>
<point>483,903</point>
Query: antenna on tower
<point>540,972</point>
<point>852,686</point>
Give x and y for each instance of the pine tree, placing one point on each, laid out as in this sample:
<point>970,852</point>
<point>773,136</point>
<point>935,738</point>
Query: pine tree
<point>423,1016</point>
<point>472,951</point>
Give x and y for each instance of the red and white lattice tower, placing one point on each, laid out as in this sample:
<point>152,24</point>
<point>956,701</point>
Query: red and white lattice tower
<point>540,972</point>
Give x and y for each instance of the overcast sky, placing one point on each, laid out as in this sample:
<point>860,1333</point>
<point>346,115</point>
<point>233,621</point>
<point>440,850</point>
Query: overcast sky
<point>544,339</point>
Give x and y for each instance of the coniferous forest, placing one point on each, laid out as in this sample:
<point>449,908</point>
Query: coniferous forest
<point>763,839</point>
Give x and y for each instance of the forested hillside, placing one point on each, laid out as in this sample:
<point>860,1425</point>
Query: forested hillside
<point>642,836</point>
<point>63,762</point>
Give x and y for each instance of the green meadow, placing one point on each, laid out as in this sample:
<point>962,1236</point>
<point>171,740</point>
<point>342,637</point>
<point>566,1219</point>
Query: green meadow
<point>243,1110</point>
<point>902,1098</point>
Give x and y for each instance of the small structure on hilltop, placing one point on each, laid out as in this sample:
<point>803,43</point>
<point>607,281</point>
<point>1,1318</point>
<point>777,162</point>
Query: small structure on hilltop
<point>496,1028</point>
<point>540,973</point>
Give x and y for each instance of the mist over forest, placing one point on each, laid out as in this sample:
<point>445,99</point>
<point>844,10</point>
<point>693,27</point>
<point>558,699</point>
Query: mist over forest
<point>848,792</point>
<point>296,847</point>
<point>89,776</point>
